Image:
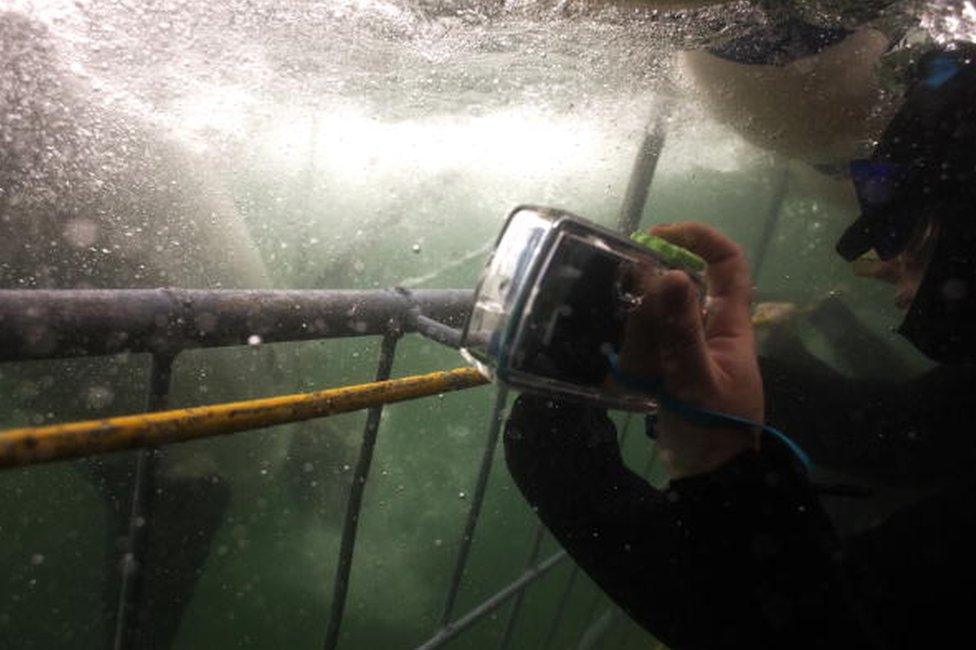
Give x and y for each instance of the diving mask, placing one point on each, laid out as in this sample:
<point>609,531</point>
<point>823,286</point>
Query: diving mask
<point>552,305</point>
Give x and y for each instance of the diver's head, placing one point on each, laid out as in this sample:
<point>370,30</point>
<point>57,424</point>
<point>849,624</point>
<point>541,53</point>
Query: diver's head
<point>918,207</point>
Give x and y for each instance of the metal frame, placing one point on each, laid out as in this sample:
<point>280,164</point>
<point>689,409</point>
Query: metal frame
<point>478,498</point>
<point>51,324</point>
<point>513,616</point>
<point>642,173</point>
<point>489,605</point>
<point>46,324</point>
<point>340,586</point>
<point>774,212</point>
<point>132,589</point>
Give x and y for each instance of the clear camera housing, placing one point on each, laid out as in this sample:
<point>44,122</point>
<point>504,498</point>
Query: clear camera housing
<point>551,307</point>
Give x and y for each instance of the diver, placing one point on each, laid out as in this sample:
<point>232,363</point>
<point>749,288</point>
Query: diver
<point>917,220</point>
<point>737,551</point>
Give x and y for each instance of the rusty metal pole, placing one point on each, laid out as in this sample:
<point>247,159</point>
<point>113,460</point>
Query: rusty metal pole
<point>30,445</point>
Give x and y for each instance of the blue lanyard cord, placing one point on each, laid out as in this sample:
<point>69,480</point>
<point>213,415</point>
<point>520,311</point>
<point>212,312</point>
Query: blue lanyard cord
<point>701,416</point>
<point>707,418</point>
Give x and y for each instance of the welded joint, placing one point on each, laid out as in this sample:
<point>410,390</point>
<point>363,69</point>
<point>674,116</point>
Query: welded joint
<point>426,326</point>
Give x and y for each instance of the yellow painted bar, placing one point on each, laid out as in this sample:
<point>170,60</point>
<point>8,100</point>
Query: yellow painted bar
<point>27,446</point>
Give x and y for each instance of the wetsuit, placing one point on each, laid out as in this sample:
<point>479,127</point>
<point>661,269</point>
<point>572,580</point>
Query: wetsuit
<point>745,556</point>
<point>742,557</point>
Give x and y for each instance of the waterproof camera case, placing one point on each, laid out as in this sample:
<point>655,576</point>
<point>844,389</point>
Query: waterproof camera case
<point>552,304</point>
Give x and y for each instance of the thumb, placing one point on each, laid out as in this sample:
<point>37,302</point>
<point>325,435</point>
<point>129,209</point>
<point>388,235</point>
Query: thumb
<point>685,364</point>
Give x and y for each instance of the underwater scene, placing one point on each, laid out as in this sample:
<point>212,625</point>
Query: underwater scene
<point>362,156</point>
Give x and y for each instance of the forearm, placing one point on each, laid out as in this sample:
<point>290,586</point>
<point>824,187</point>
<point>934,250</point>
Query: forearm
<point>566,461</point>
<point>739,556</point>
<point>902,433</point>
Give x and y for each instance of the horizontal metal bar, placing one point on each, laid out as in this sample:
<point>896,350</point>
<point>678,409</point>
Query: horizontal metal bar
<point>42,324</point>
<point>29,445</point>
<point>451,630</point>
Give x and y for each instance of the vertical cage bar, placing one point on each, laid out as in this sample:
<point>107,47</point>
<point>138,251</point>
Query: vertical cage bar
<point>624,430</point>
<point>591,608</point>
<point>642,173</point>
<point>649,465</point>
<point>540,532</point>
<point>132,590</point>
<point>561,607</point>
<point>478,498</point>
<point>595,632</point>
<point>574,574</point>
<point>626,632</point>
<point>350,525</point>
<point>781,184</point>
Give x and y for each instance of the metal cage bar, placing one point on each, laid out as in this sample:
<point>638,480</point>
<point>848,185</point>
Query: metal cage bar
<point>132,590</point>
<point>773,213</point>
<point>53,324</point>
<point>452,629</point>
<point>595,632</point>
<point>625,634</point>
<point>591,608</point>
<point>574,574</point>
<point>494,429</point>
<point>561,607</point>
<point>47,324</point>
<point>537,537</point>
<point>48,443</point>
<point>642,173</point>
<point>356,489</point>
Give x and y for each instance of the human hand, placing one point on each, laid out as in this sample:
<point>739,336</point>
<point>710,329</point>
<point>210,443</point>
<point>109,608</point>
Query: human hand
<point>707,361</point>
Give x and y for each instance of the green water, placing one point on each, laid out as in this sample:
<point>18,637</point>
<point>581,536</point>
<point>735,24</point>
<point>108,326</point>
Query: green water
<point>365,145</point>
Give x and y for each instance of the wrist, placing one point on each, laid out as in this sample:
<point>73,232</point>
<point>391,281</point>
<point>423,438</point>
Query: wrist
<point>688,450</point>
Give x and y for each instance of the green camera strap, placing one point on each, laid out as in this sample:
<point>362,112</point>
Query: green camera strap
<point>671,254</point>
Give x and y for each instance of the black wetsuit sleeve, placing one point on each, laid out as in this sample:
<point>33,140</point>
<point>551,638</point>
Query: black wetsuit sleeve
<point>741,557</point>
<point>900,432</point>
